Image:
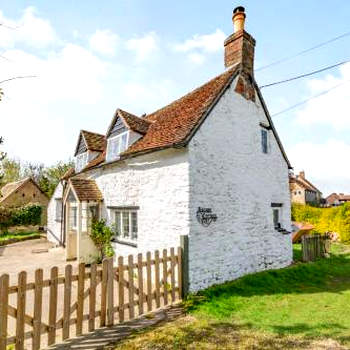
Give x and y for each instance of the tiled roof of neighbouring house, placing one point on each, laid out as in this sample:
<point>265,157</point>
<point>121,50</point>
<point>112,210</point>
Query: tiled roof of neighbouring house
<point>86,189</point>
<point>12,187</point>
<point>303,183</point>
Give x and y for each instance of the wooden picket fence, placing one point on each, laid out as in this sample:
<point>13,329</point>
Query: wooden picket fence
<point>315,247</point>
<point>58,305</point>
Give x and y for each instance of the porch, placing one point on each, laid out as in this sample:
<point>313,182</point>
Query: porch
<point>82,203</point>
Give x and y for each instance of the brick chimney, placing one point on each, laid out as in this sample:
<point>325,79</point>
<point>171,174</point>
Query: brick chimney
<point>302,174</point>
<point>239,46</point>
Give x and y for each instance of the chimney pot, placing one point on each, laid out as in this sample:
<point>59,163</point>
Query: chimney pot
<point>238,19</point>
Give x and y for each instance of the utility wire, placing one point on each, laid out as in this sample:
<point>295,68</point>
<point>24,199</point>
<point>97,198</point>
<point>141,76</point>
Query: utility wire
<point>309,99</point>
<point>305,75</point>
<point>303,52</point>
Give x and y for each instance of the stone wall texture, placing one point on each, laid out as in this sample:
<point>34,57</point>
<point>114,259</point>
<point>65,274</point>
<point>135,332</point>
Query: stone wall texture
<point>230,174</point>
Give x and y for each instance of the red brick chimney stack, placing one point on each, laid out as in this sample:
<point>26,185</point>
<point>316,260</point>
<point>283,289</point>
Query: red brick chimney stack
<point>239,46</point>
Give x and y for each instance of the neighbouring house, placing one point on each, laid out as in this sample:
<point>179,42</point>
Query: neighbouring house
<point>303,191</point>
<point>19,193</point>
<point>334,199</point>
<point>209,165</point>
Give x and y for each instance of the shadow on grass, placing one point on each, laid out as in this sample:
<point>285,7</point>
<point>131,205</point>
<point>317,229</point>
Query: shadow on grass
<point>330,275</point>
<point>196,334</point>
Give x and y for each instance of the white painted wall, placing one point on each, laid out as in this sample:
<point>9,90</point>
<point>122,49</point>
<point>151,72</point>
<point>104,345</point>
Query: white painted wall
<point>54,232</point>
<point>158,184</point>
<point>230,174</point>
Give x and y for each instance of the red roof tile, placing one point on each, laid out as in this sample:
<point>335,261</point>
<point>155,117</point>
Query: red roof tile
<point>172,124</point>
<point>135,123</point>
<point>86,189</point>
<point>94,141</point>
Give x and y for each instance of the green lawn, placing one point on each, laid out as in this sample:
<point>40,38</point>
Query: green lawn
<point>21,236</point>
<point>291,308</point>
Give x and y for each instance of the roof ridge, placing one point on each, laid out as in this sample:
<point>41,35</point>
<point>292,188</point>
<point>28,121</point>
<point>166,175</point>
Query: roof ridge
<point>92,132</point>
<point>232,70</point>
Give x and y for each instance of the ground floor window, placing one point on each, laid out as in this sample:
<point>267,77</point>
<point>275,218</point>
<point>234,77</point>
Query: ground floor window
<point>126,225</point>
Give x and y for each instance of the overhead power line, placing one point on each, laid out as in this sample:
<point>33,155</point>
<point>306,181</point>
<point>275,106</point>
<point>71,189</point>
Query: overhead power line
<point>282,60</point>
<point>305,75</point>
<point>309,99</point>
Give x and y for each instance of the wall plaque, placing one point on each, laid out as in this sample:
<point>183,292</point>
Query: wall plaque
<point>205,216</point>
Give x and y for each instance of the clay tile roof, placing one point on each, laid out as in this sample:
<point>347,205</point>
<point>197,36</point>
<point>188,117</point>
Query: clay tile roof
<point>172,124</point>
<point>86,189</point>
<point>94,141</point>
<point>70,172</point>
<point>13,186</point>
<point>133,122</point>
<point>98,160</point>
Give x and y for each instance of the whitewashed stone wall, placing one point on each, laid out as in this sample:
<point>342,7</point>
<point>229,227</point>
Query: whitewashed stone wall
<point>230,174</point>
<point>54,233</point>
<point>158,184</point>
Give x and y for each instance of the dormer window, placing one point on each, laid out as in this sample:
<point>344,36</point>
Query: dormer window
<point>116,145</point>
<point>81,161</point>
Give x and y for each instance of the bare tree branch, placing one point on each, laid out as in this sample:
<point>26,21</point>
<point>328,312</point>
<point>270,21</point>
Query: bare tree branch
<point>19,77</point>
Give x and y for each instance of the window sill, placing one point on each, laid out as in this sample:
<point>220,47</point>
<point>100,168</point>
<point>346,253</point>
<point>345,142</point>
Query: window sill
<point>128,243</point>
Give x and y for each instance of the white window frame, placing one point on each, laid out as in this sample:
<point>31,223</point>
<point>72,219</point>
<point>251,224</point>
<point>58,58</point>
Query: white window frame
<point>58,209</point>
<point>121,236</point>
<point>81,161</point>
<point>110,157</point>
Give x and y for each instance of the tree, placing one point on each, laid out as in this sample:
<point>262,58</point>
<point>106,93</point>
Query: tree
<point>10,170</point>
<point>53,174</point>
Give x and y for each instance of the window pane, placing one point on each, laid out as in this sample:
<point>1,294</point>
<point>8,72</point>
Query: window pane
<point>118,223</point>
<point>123,143</point>
<point>276,217</point>
<point>73,217</point>
<point>126,224</point>
<point>264,140</point>
<point>58,209</point>
<point>134,225</point>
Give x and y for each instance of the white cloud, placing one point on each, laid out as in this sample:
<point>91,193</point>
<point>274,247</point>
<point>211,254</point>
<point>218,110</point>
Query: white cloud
<point>196,58</point>
<point>104,42</point>
<point>325,164</point>
<point>29,30</point>
<point>332,108</point>
<point>143,46</point>
<point>207,43</point>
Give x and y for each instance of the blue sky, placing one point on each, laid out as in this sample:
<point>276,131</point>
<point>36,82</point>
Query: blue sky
<point>93,57</point>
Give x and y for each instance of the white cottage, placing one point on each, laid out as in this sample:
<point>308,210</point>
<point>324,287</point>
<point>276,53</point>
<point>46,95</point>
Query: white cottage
<point>210,165</point>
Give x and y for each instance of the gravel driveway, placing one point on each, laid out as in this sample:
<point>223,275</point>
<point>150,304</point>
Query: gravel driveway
<point>29,256</point>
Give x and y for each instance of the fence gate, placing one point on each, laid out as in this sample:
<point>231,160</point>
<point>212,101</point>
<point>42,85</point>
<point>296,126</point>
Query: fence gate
<point>42,311</point>
<point>315,247</point>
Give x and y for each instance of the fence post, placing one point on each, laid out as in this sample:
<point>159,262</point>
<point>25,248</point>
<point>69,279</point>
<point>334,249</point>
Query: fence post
<point>4,297</point>
<point>185,265</point>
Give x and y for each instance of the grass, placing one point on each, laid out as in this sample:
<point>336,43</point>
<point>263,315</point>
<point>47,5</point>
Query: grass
<point>300,307</point>
<point>17,237</point>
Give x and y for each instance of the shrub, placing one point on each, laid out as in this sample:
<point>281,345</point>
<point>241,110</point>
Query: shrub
<point>336,219</point>
<point>101,235</point>
<point>27,215</point>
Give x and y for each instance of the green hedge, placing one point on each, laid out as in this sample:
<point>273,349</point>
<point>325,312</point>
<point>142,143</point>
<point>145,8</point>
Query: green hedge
<point>336,219</point>
<point>27,215</point>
